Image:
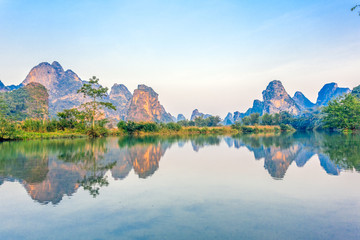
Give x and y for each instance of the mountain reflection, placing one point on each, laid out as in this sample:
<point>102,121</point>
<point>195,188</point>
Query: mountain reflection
<point>51,169</point>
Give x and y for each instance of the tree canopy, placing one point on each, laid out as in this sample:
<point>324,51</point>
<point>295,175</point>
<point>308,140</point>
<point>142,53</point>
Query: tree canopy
<point>342,113</point>
<point>96,93</point>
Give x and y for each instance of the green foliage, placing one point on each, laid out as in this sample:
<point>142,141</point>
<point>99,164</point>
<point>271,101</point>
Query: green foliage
<point>246,120</point>
<point>173,126</point>
<point>354,7</point>
<point>266,119</point>
<point>28,101</point>
<point>246,129</point>
<point>254,118</point>
<point>97,131</point>
<point>285,127</point>
<point>356,91</point>
<point>211,121</point>
<point>7,129</point>
<point>95,92</point>
<point>343,113</point>
<point>131,127</point>
<point>186,123</point>
<point>71,119</point>
<point>236,126</point>
<point>343,149</point>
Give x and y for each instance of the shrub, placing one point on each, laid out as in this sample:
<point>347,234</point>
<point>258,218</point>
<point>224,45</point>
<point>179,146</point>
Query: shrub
<point>173,126</point>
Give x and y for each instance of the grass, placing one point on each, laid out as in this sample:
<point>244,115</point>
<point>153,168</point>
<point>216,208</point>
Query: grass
<point>184,131</point>
<point>221,130</point>
<point>22,135</point>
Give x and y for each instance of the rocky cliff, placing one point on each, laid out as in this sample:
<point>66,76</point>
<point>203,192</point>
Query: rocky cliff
<point>302,101</point>
<point>180,117</point>
<point>258,107</point>
<point>61,85</point>
<point>276,99</point>
<point>145,107</point>
<point>196,114</point>
<point>328,92</point>
<point>120,96</point>
<point>2,87</point>
<point>228,120</point>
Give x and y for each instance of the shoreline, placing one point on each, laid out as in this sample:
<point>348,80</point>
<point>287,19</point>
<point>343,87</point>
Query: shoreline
<point>184,131</point>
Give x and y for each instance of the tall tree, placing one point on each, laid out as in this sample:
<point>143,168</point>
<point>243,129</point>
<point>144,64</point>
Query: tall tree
<point>96,93</point>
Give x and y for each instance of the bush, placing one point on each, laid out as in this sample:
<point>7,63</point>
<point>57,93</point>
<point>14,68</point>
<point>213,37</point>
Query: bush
<point>149,127</point>
<point>7,129</point>
<point>236,125</point>
<point>97,131</point>
<point>285,127</point>
<point>246,129</point>
<point>173,126</point>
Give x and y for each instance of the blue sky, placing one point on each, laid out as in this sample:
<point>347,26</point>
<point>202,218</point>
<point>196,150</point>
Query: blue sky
<point>215,55</point>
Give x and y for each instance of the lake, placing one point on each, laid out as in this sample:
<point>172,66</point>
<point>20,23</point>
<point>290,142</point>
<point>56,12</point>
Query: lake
<point>291,186</point>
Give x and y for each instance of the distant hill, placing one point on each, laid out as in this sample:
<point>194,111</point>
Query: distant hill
<point>276,99</point>
<point>62,89</point>
<point>328,92</point>
<point>145,106</point>
<point>30,101</point>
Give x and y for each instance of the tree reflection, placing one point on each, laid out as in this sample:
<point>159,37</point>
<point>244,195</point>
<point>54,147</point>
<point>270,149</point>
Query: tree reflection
<point>51,169</point>
<point>343,150</point>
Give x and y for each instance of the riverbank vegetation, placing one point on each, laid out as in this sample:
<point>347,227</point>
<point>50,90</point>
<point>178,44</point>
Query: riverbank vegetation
<point>340,114</point>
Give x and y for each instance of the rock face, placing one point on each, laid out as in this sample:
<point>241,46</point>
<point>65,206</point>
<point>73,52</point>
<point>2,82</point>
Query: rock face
<point>2,87</point>
<point>237,116</point>
<point>228,120</point>
<point>61,85</point>
<point>120,96</point>
<point>276,99</point>
<point>328,92</point>
<point>302,101</point>
<point>180,117</point>
<point>258,107</point>
<point>196,114</point>
<point>145,107</point>
<point>30,101</point>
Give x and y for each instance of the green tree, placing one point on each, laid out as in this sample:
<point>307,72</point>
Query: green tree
<point>246,120</point>
<point>276,119</point>
<point>3,107</point>
<point>254,118</point>
<point>213,121</point>
<point>95,92</point>
<point>354,7</point>
<point>266,119</point>
<point>342,113</point>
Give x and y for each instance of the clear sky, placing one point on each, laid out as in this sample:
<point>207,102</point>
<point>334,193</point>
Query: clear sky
<point>215,55</point>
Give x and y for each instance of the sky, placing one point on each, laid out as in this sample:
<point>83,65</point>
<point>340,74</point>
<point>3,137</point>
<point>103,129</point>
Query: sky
<point>215,55</point>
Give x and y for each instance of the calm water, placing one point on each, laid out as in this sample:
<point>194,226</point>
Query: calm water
<point>298,186</point>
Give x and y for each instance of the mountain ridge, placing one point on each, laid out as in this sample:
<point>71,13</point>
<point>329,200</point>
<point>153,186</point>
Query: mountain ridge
<point>62,86</point>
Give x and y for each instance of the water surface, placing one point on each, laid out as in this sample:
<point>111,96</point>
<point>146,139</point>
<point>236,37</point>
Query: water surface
<point>297,186</point>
